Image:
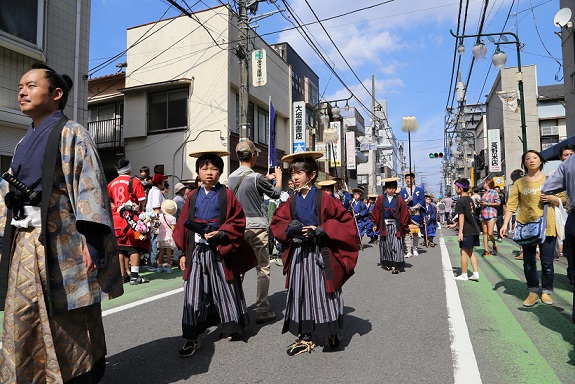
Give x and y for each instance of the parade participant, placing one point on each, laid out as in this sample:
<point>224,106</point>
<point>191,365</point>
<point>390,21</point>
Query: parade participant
<point>373,235</point>
<point>415,200</point>
<point>319,255</point>
<point>121,190</point>
<point>341,193</point>
<point>430,220</point>
<point>391,217</point>
<point>468,232</point>
<point>210,231</point>
<point>527,196</point>
<point>165,232</point>
<point>250,188</point>
<point>488,216</point>
<point>60,258</point>
<point>153,207</point>
<point>328,187</point>
<point>359,211</point>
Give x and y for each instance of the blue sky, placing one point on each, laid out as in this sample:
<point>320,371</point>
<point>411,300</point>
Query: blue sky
<point>406,44</point>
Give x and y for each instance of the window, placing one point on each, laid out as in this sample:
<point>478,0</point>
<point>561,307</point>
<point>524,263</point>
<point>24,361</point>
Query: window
<point>263,126</point>
<point>548,141</point>
<point>105,112</point>
<point>167,110</point>
<point>22,26</point>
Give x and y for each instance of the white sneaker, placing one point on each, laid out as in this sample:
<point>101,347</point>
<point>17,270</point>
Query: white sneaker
<point>408,255</point>
<point>462,277</point>
<point>415,253</point>
<point>475,276</point>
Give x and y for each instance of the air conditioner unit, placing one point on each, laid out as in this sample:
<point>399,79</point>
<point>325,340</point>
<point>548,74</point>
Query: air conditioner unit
<point>550,131</point>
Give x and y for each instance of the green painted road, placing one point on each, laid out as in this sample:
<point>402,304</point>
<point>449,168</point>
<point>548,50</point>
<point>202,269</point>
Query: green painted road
<point>512,343</point>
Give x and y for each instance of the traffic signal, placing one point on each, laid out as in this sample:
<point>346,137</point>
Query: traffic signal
<point>436,155</point>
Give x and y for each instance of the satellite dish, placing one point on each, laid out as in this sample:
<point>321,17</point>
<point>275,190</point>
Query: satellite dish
<point>562,17</point>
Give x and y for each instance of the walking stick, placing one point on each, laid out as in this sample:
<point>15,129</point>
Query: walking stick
<point>357,229</point>
<point>425,229</point>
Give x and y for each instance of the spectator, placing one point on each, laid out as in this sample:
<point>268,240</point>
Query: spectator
<point>448,206</point>
<point>516,175</point>
<point>291,190</point>
<point>488,216</point>
<point>165,240</point>
<point>468,234</point>
<point>153,208</point>
<point>145,179</point>
<point>128,189</point>
<point>441,210</point>
<point>180,192</point>
<point>500,211</point>
<point>527,196</point>
<point>249,188</point>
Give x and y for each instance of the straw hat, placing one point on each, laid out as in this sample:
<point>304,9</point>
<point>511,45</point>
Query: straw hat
<point>169,207</point>
<point>325,183</point>
<point>390,180</point>
<point>301,155</point>
<point>372,196</point>
<point>219,153</point>
<point>357,190</point>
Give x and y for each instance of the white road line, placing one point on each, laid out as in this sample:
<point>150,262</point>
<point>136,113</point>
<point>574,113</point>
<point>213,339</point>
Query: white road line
<point>465,368</point>
<point>136,303</point>
<point>140,302</point>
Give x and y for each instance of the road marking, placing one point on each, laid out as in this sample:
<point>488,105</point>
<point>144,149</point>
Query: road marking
<point>465,368</point>
<point>140,302</point>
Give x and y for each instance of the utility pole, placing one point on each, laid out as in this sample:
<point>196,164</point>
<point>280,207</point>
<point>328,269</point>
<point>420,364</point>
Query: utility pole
<point>372,176</point>
<point>243,55</point>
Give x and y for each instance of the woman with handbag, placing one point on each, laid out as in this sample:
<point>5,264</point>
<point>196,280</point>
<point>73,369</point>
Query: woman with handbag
<point>534,207</point>
<point>488,216</point>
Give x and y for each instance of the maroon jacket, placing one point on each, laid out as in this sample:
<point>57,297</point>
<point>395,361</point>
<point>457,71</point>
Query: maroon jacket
<point>341,245</point>
<point>404,217</point>
<point>237,255</point>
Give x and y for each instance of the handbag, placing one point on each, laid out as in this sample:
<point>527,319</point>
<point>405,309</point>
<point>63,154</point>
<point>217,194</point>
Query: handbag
<point>532,233</point>
<point>560,220</point>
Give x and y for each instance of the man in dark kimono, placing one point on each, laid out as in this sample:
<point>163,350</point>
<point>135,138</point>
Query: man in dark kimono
<point>59,251</point>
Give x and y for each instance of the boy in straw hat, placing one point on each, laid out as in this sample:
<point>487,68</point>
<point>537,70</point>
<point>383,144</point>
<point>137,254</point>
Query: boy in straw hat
<point>373,235</point>
<point>391,216</point>
<point>319,255</point>
<point>210,231</point>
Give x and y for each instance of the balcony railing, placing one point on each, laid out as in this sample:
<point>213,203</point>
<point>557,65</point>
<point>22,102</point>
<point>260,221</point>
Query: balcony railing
<point>107,133</point>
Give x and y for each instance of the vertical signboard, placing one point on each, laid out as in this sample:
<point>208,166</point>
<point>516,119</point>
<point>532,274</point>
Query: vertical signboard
<point>298,119</point>
<point>494,150</point>
<point>350,149</point>
<point>336,159</point>
<point>259,68</point>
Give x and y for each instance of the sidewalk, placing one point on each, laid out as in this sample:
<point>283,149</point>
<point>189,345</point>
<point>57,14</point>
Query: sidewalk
<point>512,343</point>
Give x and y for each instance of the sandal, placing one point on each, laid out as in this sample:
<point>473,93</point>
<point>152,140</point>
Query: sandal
<point>486,253</point>
<point>519,256</point>
<point>300,346</point>
<point>495,250</point>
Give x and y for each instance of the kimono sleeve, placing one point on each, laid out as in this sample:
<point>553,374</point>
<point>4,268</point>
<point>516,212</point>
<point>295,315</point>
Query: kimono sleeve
<point>377,213</point>
<point>340,229</point>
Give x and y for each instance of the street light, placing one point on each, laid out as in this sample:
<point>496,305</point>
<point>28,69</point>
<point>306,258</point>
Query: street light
<point>409,124</point>
<point>324,118</point>
<point>499,59</point>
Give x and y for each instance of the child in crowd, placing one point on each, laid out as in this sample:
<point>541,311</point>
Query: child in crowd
<point>165,240</point>
<point>210,230</point>
<point>468,235</point>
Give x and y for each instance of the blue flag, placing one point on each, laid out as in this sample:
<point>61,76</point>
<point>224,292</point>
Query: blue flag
<point>272,156</point>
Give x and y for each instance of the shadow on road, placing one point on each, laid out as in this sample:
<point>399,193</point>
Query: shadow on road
<point>277,304</point>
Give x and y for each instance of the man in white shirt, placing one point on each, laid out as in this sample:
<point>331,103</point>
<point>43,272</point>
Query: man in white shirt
<point>154,203</point>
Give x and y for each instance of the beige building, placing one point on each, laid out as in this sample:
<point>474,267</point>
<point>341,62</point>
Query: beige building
<point>53,32</point>
<point>181,95</point>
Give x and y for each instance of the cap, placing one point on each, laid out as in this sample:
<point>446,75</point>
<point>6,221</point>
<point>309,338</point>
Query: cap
<point>169,206</point>
<point>302,155</point>
<point>357,190</point>
<point>158,178</point>
<point>210,152</point>
<point>325,183</point>
<point>247,146</point>
<point>122,163</point>
<point>178,187</point>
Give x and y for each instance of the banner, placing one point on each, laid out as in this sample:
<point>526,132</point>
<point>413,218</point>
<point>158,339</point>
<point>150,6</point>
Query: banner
<point>350,149</point>
<point>299,120</point>
<point>259,69</point>
<point>494,149</point>
<point>272,155</point>
<point>336,146</point>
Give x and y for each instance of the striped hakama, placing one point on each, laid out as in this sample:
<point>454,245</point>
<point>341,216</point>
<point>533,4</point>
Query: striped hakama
<point>42,348</point>
<point>309,308</point>
<point>391,248</point>
<point>211,300</point>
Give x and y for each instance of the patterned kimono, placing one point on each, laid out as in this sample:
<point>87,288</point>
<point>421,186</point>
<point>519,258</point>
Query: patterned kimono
<point>52,321</point>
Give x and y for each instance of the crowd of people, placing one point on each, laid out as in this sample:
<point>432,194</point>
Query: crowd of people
<point>69,240</point>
